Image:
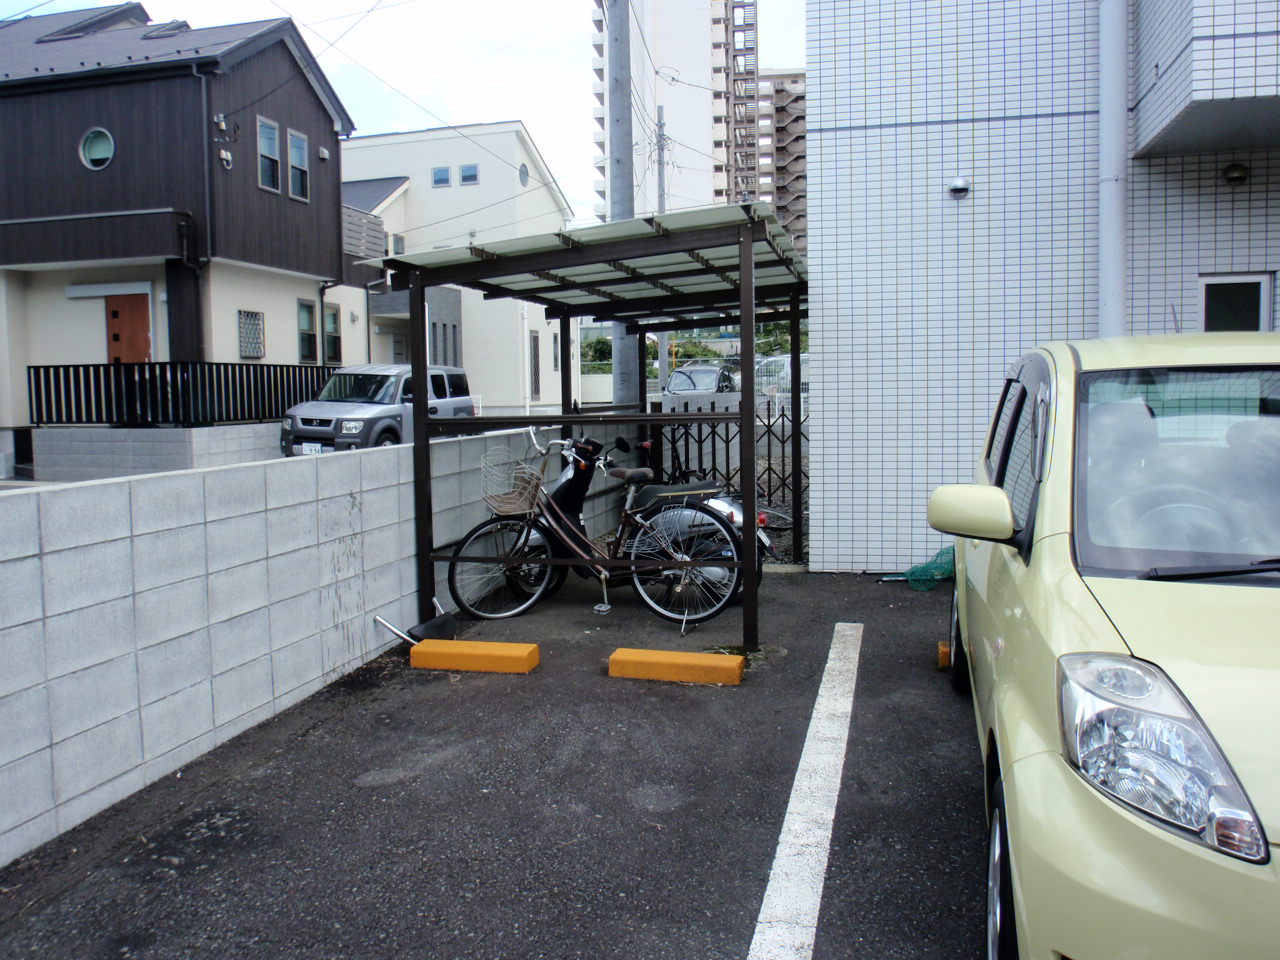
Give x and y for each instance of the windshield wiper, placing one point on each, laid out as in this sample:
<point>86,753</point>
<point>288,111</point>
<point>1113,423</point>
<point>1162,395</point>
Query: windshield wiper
<point>1209,571</point>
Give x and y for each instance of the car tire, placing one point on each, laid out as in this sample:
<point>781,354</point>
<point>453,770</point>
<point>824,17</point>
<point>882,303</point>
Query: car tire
<point>1002,929</point>
<point>387,439</point>
<point>959,663</point>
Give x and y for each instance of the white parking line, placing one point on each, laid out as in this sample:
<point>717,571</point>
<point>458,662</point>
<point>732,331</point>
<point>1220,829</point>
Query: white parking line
<point>788,919</point>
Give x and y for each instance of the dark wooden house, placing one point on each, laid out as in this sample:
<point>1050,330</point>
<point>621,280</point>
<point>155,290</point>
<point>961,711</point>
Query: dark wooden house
<point>183,185</point>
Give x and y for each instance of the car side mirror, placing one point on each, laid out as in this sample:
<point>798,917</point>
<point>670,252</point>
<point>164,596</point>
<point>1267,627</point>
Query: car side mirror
<point>406,393</point>
<point>975,510</point>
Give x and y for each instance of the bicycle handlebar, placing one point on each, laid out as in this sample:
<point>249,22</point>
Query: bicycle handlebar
<point>533,439</point>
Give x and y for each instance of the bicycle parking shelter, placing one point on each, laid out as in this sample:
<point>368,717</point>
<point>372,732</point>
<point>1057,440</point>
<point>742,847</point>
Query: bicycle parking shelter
<point>687,270</point>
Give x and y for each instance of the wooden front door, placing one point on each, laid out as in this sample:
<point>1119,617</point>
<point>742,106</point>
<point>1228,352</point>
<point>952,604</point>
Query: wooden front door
<point>128,328</point>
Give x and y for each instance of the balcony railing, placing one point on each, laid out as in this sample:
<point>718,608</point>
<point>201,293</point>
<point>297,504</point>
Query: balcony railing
<point>168,394</point>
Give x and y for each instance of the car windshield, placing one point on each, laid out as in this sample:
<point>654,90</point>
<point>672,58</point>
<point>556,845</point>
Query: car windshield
<point>360,388</point>
<point>1176,471</point>
<point>695,378</point>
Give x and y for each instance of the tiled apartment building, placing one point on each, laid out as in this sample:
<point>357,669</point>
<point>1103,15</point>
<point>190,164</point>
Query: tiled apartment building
<point>964,207</point>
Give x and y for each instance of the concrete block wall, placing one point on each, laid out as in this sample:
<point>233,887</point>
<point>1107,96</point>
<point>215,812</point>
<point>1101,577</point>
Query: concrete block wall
<point>69,454</point>
<point>143,621</point>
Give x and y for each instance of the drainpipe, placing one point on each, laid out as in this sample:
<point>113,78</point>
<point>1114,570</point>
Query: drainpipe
<point>1113,160</point>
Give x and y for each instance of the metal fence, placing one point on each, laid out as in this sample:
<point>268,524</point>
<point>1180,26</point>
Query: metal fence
<point>169,394</point>
<point>712,451</point>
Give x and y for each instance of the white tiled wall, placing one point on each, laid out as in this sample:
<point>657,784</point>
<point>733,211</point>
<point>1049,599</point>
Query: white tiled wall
<point>918,302</point>
<point>1184,221</point>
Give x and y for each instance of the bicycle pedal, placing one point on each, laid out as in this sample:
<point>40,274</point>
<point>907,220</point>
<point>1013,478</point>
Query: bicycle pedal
<point>602,608</point>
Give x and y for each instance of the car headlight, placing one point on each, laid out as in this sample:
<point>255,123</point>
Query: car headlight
<point>1128,731</point>
<point>351,426</point>
<point>287,423</point>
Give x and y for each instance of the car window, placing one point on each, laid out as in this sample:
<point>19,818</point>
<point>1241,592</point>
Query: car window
<point>359,388</point>
<point>1019,480</point>
<point>1176,467</point>
<point>439,390</point>
<point>406,392</point>
<point>458,385</point>
<point>1006,410</point>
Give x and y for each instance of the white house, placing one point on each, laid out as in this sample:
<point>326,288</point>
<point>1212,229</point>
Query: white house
<point>463,186</point>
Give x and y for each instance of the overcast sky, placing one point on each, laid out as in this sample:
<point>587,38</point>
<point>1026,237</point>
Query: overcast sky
<point>412,64</point>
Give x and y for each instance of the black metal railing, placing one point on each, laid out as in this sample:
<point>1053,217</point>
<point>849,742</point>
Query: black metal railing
<point>168,394</point>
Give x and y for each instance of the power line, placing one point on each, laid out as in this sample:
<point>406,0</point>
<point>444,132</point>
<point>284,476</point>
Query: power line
<point>676,79</point>
<point>13,16</point>
<point>444,123</point>
<point>640,29</point>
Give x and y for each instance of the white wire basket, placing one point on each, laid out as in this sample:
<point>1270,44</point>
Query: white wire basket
<point>508,484</point>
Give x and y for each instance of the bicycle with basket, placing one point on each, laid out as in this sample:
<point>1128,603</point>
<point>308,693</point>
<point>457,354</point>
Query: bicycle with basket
<point>682,558</point>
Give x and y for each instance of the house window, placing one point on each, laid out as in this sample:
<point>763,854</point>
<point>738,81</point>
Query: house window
<point>251,339</point>
<point>524,174</point>
<point>1236,301</point>
<point>535,369</point>
<point>555,353</point>
<point>299,168</point>
<point>306,332</point>
<point>97,148</point>
<point>268,155</point>
<point>333,335</point>
<point>397,244</point>
<point>439,176</point>
<point>468,173</point>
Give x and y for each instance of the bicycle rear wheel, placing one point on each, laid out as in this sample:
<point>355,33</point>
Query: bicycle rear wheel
<point>684,532</point>
<point>491,589</point>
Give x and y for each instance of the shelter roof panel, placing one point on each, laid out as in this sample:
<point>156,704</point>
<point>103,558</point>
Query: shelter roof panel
<point>685,264</point>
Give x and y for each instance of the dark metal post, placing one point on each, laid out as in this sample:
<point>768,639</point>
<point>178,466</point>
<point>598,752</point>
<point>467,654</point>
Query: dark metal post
<point>566,374</point>
<point>424,530</point>
<point>797,445</point>
<point>642,370</point>
<point>747,437</point>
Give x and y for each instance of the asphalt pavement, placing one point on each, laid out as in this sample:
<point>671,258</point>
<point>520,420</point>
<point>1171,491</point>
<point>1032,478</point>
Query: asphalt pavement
<point>402,813</point>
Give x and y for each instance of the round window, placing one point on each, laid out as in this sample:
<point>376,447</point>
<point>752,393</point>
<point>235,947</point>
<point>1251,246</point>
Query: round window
<point>97,148</point>
<point>524,174</point>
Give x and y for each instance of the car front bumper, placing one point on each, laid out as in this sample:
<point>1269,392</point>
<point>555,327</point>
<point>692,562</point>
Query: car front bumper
<point>1094,880</point>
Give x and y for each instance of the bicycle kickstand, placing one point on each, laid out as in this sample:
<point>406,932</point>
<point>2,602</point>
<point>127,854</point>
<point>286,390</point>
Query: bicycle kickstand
<point>603,608</point>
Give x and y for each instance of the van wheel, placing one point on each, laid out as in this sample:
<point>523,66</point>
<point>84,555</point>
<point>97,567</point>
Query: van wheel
<point>386,440</point>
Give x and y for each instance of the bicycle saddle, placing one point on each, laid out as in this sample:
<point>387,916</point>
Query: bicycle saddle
<point>631,474</point>
<point>699,489</point>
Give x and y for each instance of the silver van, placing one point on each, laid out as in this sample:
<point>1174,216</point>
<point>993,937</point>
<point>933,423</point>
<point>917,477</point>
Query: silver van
<point>370,405</point>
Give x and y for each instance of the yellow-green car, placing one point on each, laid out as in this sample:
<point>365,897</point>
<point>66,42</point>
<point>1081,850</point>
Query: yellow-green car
<point>1117,617</point>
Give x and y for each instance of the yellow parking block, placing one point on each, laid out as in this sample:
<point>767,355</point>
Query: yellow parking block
<point>474,655</point>
<point>676,666</point>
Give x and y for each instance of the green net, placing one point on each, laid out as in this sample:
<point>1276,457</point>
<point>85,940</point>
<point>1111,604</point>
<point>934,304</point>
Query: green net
<point>927,575</point>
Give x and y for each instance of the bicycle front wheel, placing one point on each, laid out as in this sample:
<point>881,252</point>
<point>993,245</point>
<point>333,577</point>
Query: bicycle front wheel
<point>495,571</point>
<point>680,532</point>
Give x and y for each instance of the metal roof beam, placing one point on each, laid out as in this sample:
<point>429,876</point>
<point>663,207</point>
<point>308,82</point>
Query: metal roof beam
<point>688,303</point>
<point>635,248</point>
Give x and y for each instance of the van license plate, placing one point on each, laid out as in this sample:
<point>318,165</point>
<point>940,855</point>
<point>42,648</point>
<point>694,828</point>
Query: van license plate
<point>313,448</point>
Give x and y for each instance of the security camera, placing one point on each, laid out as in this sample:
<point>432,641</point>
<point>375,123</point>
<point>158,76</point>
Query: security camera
<point>1235,174</point>
<point>958,188</point>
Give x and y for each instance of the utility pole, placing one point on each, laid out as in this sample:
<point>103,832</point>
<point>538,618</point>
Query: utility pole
<point>663,360</point>
<point>626,356</point>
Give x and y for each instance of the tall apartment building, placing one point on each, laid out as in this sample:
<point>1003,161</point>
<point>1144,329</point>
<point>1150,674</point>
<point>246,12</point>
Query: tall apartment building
<point>984,180</point>
<point>698,60</point>
<point>781,159</point>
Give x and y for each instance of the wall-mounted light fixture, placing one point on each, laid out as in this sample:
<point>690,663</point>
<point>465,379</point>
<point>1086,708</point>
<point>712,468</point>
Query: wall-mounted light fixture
<point>1235,174</point>
<point>958,188</point>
